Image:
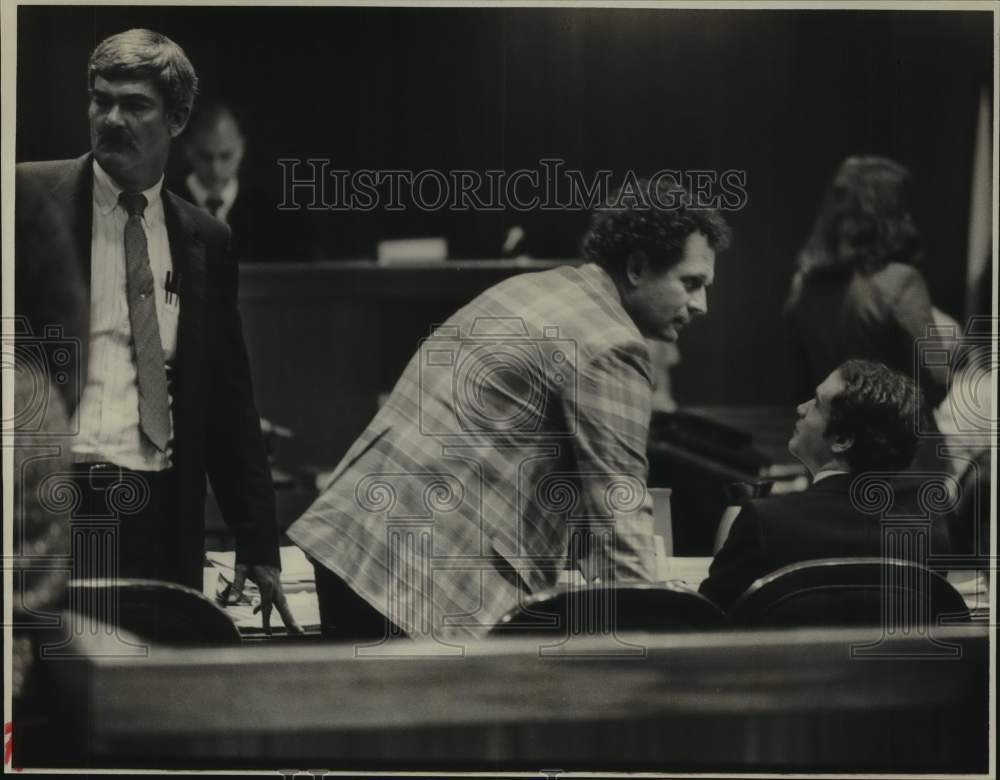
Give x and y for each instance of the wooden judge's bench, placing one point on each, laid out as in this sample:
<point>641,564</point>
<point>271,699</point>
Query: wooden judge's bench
<point>327,338</point>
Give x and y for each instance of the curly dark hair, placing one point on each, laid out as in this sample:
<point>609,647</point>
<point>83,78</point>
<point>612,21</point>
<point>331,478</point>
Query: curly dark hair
<point>654,218</point>
<point>144,54</point>
<point>880,409</point>
<point>865,221</point>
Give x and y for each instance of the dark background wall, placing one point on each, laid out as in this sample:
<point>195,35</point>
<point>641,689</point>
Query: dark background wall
<point>782,95</point>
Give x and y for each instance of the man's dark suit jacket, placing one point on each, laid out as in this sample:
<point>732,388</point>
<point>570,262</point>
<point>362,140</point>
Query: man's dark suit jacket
<point>261,232</point>
<point>777,531</point>
<point>216,425</point>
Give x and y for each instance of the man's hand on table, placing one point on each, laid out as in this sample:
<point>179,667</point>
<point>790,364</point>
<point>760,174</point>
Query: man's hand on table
<point>268,580</point>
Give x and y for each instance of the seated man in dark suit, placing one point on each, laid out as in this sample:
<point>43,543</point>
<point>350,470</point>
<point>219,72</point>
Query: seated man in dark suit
<point>862,419</point>
<point>219,183</point>
<point>214,148</point>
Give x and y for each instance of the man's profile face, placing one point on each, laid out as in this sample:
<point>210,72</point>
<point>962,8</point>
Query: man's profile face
<point>130,131</point>
<point>662,303</point>
<point>215,154</point>
<point>809,443</point>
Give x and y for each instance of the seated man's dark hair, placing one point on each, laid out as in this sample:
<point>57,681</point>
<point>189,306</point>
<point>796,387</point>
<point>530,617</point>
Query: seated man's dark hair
<point>880,410</point>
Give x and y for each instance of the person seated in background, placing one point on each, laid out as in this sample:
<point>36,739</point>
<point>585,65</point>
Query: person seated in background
<point>858,291</point>
<point>861,419</point>
<point>214,147</point>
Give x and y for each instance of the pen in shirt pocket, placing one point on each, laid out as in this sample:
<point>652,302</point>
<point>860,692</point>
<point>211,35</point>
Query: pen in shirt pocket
<point>172,288</point>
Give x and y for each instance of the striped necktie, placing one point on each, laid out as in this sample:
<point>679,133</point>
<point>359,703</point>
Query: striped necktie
<point>154,404</point>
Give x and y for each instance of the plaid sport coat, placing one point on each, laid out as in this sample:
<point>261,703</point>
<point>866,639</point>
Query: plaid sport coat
<point>512,447</point>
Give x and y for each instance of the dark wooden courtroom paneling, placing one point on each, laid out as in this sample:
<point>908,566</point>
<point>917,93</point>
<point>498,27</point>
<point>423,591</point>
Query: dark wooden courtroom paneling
<point>754,701</point>
<point>326,338</point>
<point>783,95</point>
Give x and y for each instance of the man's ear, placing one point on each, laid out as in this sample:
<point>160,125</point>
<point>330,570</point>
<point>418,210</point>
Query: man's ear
<point>635,268</point>
<point>177,121</point>
<point>842,444</point>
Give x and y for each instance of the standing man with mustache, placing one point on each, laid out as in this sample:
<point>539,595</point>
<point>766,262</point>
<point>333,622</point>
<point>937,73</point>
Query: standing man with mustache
<point>166,398</point>
<point>513,447</point>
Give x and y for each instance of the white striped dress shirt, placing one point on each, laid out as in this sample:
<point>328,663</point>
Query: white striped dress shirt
<point>109,407</point>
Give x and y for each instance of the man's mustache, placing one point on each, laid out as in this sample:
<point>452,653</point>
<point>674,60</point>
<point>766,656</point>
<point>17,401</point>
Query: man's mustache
<point>116,139</point>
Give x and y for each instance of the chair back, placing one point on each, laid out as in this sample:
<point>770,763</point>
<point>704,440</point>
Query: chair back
<point>588,610</point>
<point>850,592</point>
<point>161,612</point>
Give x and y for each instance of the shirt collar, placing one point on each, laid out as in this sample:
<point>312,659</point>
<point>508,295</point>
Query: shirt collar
<point>828,473</point>
<point>106,192</point>
<point>201,193</point>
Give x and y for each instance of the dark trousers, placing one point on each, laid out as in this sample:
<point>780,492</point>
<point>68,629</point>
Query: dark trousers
<point>344,614</point>
<point>125,524</point>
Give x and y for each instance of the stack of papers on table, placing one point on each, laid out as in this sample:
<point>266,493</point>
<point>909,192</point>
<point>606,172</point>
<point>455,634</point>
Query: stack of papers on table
<point>973,586</point>
<point>690,570</point>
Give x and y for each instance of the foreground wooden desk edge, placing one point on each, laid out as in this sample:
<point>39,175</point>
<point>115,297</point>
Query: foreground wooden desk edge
<point>760,701</point>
